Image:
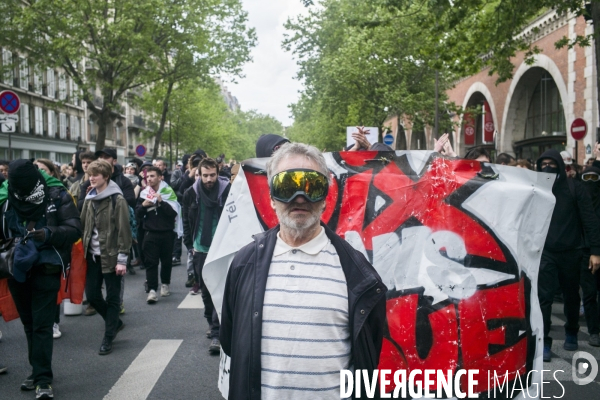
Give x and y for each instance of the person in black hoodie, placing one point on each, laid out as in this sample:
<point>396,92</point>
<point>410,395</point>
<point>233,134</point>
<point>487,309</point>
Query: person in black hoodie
<point>588,282</point>
<point>572,217</point>
<point>267,144</point>
<point>117,177</point>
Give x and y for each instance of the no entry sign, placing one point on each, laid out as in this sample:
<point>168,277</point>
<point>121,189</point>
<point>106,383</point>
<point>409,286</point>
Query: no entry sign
<point>9,102</point>
<point>578,129</point>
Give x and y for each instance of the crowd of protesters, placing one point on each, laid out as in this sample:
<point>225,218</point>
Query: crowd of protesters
<point>141,215</point>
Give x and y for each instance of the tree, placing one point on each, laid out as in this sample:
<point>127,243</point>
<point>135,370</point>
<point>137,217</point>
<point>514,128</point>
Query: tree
<point>114,46</point>
<point>356,73</point>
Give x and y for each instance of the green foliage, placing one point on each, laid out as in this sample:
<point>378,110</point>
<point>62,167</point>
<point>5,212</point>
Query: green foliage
<point>361,62</point>
<point>199,118</point>
<point>126,44</point>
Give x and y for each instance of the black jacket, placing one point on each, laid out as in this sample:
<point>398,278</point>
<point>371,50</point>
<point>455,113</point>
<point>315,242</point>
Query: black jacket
<point>573,214</point>
<point>241,321</point>
<point>157,218</point>
<point>191,210</point>
<point>117,177</point>
<point>62,221</point>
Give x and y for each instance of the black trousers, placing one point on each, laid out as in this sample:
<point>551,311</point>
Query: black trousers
<point>110,307</point>
<point>158,247</point>
<point>210,313</point>
<point>588,284</point>
<point>560,270</point>
<point>177,247</point>
<point>35,300</point>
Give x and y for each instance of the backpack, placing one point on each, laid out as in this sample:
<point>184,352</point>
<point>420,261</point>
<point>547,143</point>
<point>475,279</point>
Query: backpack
<point>132,220</point>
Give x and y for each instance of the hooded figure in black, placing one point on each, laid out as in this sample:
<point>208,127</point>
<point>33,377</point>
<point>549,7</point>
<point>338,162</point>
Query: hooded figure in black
<point>267,144</point>
<point>572,219</point>
<point>78,167</point>
<point>42,218</point>
<point>588,282</point>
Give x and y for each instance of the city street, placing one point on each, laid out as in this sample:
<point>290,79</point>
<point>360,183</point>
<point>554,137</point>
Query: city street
<point>162,353</point>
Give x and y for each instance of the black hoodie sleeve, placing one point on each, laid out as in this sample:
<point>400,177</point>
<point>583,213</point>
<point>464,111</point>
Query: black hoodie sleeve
<point>588,219</point>
<point>128,192</point>
<point>82,193</point>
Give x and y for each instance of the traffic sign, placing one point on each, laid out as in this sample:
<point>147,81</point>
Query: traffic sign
<point>9,102</point>
<point>579,129</point>
<point>5,118</point>
<point>388,139</point>
<point>8,127</point>
<point>140,150</point>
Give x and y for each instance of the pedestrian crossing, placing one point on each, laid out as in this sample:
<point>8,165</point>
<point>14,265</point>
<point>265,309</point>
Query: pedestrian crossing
<point>139,379</point>
<point>192,302</point>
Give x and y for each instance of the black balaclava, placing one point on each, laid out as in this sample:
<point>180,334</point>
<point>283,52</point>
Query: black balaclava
<point>593,187</point>
<point>266,144</point>
<point>560,170</point>
<point>78,166</point>
<point>27,190</point>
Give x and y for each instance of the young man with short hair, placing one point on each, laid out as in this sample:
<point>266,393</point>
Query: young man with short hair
<point>106,244</point>
<point>85,158</point>
<point>110,155</point>
<point>159,211</point>
<point>202,207</point>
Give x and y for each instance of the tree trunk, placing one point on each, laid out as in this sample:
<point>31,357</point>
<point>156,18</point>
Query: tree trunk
<point>103,122</point>
<point>163,120</point>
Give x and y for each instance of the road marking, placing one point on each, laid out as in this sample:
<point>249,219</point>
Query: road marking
<point>192,301</point>
<point>139,379</point>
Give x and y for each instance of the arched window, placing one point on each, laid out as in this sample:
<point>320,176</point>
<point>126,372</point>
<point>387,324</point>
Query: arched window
<point>545,115</point>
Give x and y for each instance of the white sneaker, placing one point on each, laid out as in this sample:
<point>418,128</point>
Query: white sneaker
<point>56,332</point>
<point>164,290</point>
<point>151,297</point>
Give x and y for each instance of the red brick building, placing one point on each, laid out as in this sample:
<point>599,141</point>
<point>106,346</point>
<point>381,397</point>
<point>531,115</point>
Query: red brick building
<point>533,111</point>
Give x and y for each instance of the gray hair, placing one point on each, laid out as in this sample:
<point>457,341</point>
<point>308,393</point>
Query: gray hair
<point>297,149</point>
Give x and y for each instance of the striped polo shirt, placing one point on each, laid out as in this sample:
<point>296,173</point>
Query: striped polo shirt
<point>305,332</point>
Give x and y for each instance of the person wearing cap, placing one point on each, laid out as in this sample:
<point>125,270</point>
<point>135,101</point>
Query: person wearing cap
<point>569,166</point>
<point>117,177</point>
<point>268,143</point>
<point>589,282</point>
<point>572,218</point>
<point>38,209</point>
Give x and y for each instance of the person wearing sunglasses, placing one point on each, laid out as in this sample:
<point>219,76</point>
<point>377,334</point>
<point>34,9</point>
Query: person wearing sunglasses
<point>300,304</point>
<point>572,218</point>
<point>589,282</point>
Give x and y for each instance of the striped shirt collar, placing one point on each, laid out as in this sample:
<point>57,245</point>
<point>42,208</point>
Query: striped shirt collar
<point>313,247</point>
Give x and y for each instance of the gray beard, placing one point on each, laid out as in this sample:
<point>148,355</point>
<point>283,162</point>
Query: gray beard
<point>295,229</point>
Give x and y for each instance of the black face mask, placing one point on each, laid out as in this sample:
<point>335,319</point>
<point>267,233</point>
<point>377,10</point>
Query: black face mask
<point>550,170</point>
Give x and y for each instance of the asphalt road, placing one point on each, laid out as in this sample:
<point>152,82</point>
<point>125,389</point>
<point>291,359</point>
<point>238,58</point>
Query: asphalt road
<point>163,353</point>
<point>175,338</point>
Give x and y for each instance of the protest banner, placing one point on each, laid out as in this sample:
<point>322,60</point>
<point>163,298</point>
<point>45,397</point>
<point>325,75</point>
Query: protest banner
<point>457,242</point>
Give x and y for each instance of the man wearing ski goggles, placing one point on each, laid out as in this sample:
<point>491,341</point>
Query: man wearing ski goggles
<point>278,285</point>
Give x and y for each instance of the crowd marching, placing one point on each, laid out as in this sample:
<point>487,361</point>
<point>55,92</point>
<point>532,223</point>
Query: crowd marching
<point>142,216</point>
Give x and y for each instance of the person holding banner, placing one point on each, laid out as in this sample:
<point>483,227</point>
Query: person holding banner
<point>202,207</point>
<point>573,216</point>
<point>160,212</point>
<point>300,304</point>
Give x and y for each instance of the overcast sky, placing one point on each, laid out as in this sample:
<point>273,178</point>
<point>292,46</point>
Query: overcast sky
<point>269,85</point>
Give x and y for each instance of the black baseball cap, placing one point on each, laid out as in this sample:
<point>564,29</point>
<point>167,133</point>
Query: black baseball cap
<point>112,153</point>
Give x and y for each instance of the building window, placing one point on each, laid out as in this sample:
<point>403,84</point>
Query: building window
<point>23,73</point>
<point>62,127</point>
<point>64,158</point>
<point>8,75</point>
<point>16,154</point>
<point>62,87</point>
<point>39,120</point>
<point>74,95</point>
<point>546,116</point>
<point>38,80</point>
<point>24,118</point>
<point>40,154</point>
<point>51,87</point>
<point>51,123</point>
